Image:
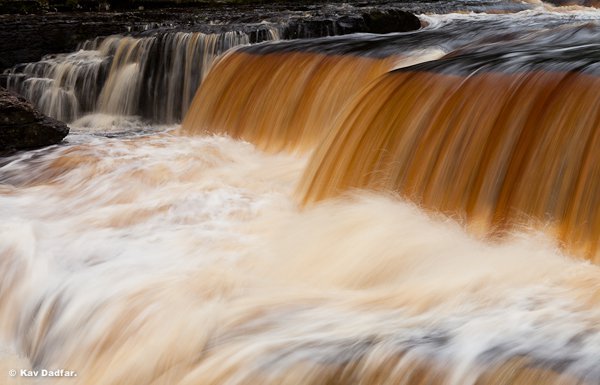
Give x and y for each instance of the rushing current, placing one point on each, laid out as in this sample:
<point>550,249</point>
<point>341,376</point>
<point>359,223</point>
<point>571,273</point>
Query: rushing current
<point>409,208</point>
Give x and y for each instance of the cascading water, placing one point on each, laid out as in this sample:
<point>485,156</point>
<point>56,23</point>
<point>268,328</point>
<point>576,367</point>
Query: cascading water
<point>241,104</point>
<point>61,85</point>
<point>166,256</point>
<point>154,77</point>
<point>499,138</point>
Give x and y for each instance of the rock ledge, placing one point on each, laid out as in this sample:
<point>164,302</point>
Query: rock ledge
<point>22,126</point>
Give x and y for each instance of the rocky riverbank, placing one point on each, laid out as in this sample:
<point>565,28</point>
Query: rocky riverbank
<point>27,38</point>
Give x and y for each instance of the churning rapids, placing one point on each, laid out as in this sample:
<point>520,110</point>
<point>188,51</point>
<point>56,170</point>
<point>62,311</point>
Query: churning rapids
<point>266,240</point>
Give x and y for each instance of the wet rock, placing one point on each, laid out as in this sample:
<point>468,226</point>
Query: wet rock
<point>28,37</point>
<point>21,6</point>
<point>371,20</point>
<point>391,20</point>
<point>22,126</point>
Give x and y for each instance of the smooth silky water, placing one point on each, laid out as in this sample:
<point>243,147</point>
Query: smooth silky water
<point>139,254</point>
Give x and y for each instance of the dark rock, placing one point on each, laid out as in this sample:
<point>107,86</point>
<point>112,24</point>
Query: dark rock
<point>22,126</point>
<point>27,37</point>
<point>391,20</point>
<point>372,20</point>
<point>21,6</point>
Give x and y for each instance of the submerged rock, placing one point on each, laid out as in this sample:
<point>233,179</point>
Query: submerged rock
<point>22,126</point>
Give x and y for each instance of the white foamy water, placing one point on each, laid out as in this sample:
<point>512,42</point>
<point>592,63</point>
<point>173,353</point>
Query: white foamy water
<point>160,259</point>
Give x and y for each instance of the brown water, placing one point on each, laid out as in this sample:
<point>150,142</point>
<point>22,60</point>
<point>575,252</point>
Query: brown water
<point>359,249</point>
<point>498,149</point>
<point>283,101</point>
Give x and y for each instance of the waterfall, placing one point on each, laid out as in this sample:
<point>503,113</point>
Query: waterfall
<point>153,77</point>
<point>498,139</point>
<point>62,86</point>
<point>404,209</point>
<point>243,96</point>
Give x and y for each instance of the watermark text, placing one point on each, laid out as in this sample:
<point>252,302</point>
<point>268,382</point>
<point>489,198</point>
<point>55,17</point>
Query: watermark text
<point>41,373</point>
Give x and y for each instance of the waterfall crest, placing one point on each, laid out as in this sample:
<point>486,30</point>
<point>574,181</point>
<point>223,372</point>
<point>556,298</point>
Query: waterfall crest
<point>244,95</point>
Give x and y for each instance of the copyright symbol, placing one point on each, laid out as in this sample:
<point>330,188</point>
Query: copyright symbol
<point>12,373</point>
